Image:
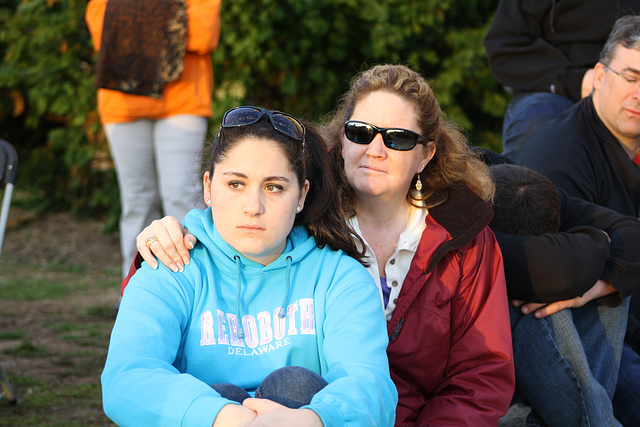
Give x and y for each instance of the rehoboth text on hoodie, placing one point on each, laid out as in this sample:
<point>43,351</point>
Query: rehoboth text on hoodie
<point>264,332</point>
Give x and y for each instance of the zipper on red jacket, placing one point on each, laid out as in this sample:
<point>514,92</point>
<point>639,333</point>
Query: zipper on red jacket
<point>396,331</point>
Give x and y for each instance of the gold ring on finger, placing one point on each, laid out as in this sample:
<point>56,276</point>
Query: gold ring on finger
<point>149,241</point>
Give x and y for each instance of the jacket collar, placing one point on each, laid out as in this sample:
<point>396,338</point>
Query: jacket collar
<point>463,215</point>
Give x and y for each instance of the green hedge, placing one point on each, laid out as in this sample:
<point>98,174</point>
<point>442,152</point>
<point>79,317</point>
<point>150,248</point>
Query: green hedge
<point>294,55</point>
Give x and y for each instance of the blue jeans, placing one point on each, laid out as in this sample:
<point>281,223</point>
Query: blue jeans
<point>567,363</point>
<point>291,386</point>
<point>525,113</point>
<point>625,401</point>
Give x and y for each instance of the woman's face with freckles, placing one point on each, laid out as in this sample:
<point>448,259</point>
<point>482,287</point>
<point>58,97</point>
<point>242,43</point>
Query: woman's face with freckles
<point>373,169</point>
<point>254,197</point>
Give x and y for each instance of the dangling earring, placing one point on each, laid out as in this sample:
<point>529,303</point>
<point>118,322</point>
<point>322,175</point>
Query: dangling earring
<point>418,182</point>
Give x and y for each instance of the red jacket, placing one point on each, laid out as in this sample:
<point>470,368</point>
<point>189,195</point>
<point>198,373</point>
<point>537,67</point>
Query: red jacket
<point>450,338</point>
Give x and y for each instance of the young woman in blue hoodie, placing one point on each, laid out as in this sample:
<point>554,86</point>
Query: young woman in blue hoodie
<point>272,307</point>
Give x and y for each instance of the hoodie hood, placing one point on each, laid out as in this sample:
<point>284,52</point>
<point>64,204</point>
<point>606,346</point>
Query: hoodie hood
<point>237,266</point>
<point>200,224</point>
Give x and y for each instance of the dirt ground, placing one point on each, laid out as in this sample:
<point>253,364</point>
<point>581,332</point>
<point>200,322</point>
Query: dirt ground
<point>59,279</point>
<point>43,238</point>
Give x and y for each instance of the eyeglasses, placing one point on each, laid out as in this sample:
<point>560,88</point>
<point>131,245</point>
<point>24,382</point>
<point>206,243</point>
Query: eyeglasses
<point>282,122</point>
<point>633,80</point>
<point>393,138</point>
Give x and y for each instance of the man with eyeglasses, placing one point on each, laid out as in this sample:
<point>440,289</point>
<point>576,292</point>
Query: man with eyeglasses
<point>543,51</point>
<point>589,151</point>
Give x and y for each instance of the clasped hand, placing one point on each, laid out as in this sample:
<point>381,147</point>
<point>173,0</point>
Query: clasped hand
<point>264,412</point>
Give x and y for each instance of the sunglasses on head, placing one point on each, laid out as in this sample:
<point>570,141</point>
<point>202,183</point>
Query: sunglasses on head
<point>394,138</point>
<point>282,122</point>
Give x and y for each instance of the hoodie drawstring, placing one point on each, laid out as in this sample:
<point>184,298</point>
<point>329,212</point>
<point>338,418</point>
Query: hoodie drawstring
<point>238,270</point>
<point>283,310</point>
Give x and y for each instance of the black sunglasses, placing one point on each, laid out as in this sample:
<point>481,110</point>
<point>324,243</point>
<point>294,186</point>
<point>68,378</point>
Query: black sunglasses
<point>282,122</point>
<point>394,138</point>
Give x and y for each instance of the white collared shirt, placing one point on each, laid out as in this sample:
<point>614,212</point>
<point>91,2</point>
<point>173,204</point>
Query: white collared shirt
<point>398,265</point>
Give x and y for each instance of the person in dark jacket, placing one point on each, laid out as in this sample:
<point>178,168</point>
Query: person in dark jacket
<point>527,203</point>
<point>560,266</point>
<point>544,52</point>
<point>588,151</point>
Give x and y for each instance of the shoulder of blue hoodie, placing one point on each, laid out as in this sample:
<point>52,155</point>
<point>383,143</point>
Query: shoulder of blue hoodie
<point>350,338</point>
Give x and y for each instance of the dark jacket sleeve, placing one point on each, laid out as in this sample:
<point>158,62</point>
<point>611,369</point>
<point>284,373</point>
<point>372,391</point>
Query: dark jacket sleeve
<point>553,267</point>
<point>520,55</point>
<point>622,268</point>
<point>564,265</point>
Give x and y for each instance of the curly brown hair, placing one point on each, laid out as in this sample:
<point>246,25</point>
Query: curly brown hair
<point>455,165</point>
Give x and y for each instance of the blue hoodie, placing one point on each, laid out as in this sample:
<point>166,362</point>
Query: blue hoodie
<point>176,333</point>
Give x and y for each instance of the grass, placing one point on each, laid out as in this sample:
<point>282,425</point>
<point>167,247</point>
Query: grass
<point>27,349</point>
<point>46,404</point>
<point>37,282</point>
<point>55,320</point>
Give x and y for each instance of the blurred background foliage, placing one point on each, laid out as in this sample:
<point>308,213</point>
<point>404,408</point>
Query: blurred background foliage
<point>295,55</point>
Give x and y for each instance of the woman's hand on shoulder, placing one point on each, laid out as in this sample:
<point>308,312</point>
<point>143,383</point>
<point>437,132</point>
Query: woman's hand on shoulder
<point>167,240</point>
<point>271,413</point>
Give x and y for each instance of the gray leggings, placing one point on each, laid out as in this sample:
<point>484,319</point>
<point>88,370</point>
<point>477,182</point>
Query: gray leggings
<point>158,168</point>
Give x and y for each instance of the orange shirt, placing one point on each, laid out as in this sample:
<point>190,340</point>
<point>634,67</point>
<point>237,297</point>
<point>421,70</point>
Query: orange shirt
<point>190,93</point>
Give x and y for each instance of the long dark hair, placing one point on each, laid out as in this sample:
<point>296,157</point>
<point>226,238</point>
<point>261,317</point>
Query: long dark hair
<point>322,214</point>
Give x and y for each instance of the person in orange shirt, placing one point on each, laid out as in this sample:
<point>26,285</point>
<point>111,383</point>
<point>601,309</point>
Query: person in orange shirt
<point>155,85</point>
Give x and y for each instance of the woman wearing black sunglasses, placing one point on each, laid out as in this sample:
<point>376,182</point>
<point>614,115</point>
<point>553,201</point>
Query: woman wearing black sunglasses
<point>266,307</point>
<point>417,196</point>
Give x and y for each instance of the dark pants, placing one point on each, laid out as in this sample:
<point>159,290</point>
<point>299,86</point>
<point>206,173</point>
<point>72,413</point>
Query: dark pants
<point>625,401</point>
<point>525,114</point>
